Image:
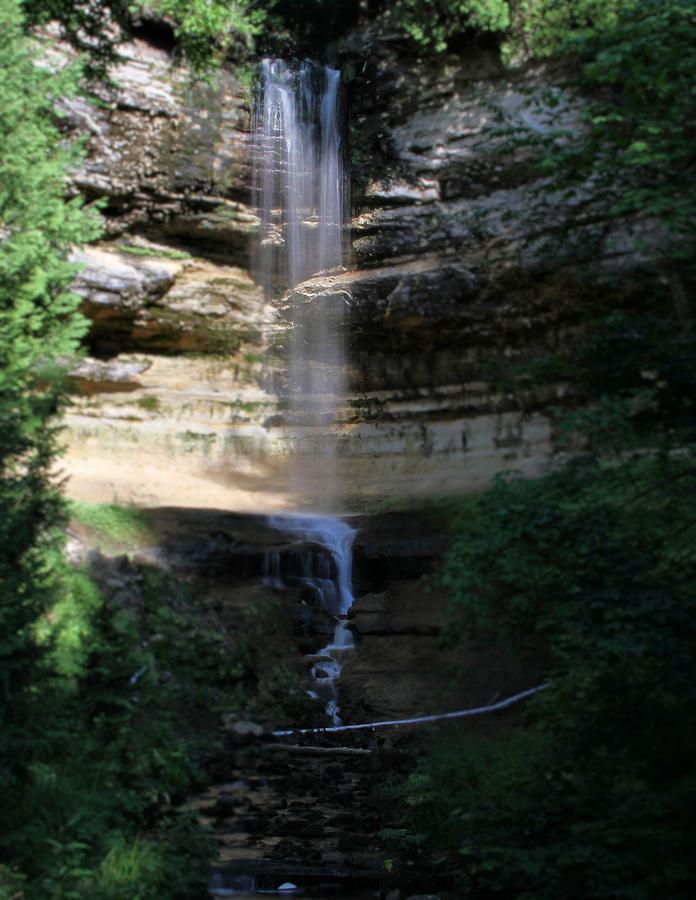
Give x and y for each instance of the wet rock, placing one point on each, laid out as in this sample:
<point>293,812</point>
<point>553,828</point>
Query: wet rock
<point>161,147</point>
<point>238,785</point>
<point>309,831</point>
<point>442,283</point>
<point>127,598</point>
<point>348,842</point>
<point>252,824</point>
<point>224,807</point>
<point>308,621</point>
<point>243,730</point>
<point>148,301</point>
<point>405,608</point>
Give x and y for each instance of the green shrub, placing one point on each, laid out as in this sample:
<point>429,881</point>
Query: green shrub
<point>530,27</point>
<point>112,524</point>
<point>591,571</point>
<point>150,403</point>
<point>157,252</point>
<point>68,628</point>
<point>126,706</point>
<point>40,330</point>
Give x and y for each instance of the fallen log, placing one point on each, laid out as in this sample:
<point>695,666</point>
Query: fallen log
<point>419,720</point>
<point>299,750</point>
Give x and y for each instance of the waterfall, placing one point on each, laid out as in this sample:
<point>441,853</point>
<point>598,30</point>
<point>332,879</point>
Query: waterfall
<point>321,561</point>
<point>299,182</point>
<point>301,195</point>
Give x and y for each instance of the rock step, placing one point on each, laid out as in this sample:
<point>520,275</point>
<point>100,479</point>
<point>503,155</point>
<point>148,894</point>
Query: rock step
<point>286,870</point>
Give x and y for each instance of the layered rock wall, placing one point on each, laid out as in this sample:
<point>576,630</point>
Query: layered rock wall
<point>176,401</point>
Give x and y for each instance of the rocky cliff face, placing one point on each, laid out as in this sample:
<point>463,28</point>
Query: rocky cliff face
<point>174,407</point>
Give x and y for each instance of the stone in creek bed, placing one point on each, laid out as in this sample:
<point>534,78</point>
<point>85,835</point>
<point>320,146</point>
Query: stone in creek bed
<point>310,832</point>
<point>244,729</point>
<point>225,807</point>
<point>314,658</point>
<point>238,785</point>
<point>252,825</point>
<point>348,842</point>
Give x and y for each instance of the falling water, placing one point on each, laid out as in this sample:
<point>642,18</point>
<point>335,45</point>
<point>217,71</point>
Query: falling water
<point>301,195</point>
<point>320,562</point>
<point>300,186</point>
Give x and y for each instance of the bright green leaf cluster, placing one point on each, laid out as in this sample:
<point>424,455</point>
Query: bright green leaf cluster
<point>632,158</point>
<point>529,27</point>
<point>40,330</point>
<point>432,23</point>
<point>206,28</point>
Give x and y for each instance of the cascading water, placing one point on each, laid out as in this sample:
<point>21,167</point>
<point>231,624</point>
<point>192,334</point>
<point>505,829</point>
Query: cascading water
<point>320,562</point>
<point>301,195</point>
<point>300,187</point>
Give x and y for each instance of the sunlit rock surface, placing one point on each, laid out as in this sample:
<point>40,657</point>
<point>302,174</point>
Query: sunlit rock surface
<point>178,402</point>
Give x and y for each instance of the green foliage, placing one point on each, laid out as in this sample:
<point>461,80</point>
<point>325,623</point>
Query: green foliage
<point>159,252</point>
<point>433,23</point>
<point>590,571</point>
<point>205,29</point>
<point>112,525</point>
<point>39,330</point>
<point>68,629</point>
<point>543,27</point>
<point>150,404</point>
<point>529,27</point>
<point>130,868</point>
<point>126,703</point>
<point>630,158</point>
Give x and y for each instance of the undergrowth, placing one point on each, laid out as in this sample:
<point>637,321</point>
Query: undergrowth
<point>134,675</point>
<point>113,525</point>
<point>590,569</point>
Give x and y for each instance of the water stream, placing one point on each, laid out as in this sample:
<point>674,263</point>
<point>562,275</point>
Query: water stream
<point>320,561</point>
<point>300,191</point>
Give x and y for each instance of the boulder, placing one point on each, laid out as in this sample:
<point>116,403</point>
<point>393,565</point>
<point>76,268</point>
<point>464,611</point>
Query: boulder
<point>399,669</point>
<point>404,609</point>
<point>243,730</point>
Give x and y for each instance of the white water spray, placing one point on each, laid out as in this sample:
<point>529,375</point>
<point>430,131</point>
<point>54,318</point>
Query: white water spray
<point>300,187</point>
<point>320,560</point>
<point>301,195</point>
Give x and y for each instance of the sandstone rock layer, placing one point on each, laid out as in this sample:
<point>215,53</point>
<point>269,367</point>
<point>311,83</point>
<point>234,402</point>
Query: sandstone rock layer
<point>178,401</point>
